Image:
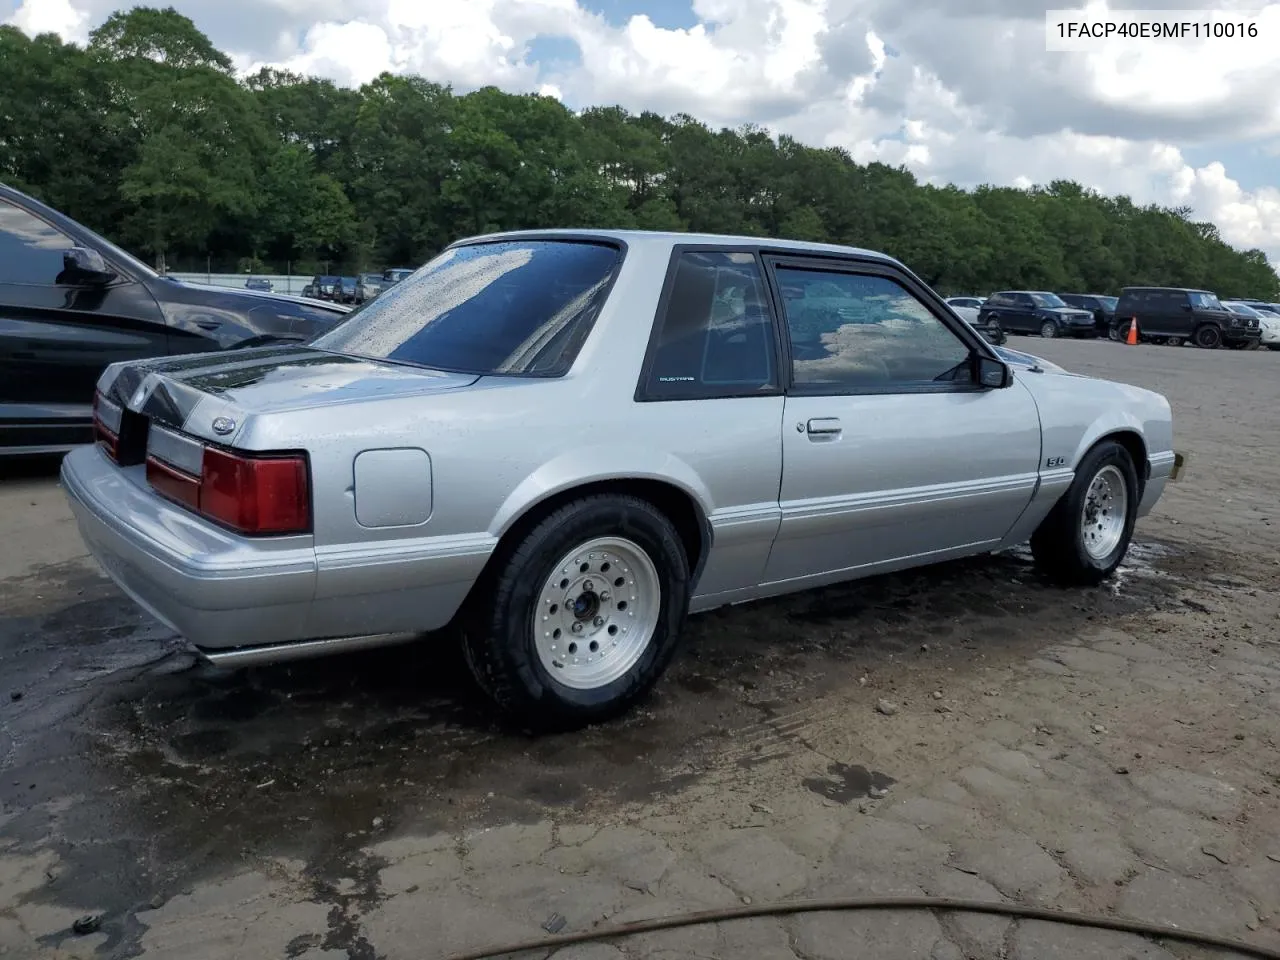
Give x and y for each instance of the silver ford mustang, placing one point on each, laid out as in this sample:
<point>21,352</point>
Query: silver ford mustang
<point>561,443</point>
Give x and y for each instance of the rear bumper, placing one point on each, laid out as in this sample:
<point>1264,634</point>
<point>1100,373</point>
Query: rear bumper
<point>266,598</point>
<point>205,583</point>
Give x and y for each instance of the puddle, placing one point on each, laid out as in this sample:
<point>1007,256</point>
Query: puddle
<point>846,782</point>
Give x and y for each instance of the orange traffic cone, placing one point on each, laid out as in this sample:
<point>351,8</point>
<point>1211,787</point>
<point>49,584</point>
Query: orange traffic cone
<point>1132,338</point>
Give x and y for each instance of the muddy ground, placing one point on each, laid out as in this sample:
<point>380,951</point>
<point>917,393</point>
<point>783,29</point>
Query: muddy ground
<point>1111,750</point>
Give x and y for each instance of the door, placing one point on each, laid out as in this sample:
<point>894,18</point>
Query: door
<point>710,394</point>
<point>1013,312</point>
<point>1171,314</point>
<point>892,453</point>
<point>1023,314</point>
<point>57,334</point>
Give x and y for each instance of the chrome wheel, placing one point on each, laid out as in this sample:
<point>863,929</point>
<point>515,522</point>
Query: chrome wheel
<point>1048,329</point>
<point>1106,508</point>
<point>597,613</point>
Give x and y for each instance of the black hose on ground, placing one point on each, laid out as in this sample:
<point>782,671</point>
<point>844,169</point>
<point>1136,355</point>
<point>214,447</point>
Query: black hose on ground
<point>786,907</point>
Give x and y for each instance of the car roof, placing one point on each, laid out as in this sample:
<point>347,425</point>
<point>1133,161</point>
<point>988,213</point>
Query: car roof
<point>637,238</point>
<point>1172,290</point>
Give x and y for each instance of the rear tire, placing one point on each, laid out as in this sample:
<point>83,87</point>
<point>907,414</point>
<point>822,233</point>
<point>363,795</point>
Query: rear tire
<point>1174,342</point>
<point>1209,337</point>
<point>1087,533</point>
<point>558,646</point>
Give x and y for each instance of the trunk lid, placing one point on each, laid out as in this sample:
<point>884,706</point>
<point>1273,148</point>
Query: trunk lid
<point>209,395</point>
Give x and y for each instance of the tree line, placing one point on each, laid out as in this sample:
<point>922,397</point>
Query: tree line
<point>146,135</point>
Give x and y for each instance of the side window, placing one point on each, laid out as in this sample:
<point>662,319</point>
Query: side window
<point>1024,301</point>
<point>999,300</point>
<point>715,336</point>
<point>858,332</point>
<point>30,250</point>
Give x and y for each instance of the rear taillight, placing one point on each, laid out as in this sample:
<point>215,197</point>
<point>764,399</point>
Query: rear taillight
<point>255,495</point>
<point>106,424</point>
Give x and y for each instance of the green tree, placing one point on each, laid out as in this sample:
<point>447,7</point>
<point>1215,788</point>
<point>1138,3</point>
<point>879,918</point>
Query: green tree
<point>145,134</point>
<point>162,36</point>
<point>197,161</point>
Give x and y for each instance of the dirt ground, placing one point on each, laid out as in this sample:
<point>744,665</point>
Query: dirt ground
<point>1110,750</point>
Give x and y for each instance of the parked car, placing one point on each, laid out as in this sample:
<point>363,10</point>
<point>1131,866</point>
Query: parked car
<point>323,287</point>
<point>1101,306</point>
<point>395,275</point>
<point>71,303</point>
<point>1262,306</point>
<point>259,283</point>
<point>1249,311</point>
<point>974,303</point>
<point>346,290</point>
<point>368,286</point>
<point>1174,315</point>
<point>715,442</point>
<point>1035,311</point>
<point>971,316</point>
<point>1270,327</point>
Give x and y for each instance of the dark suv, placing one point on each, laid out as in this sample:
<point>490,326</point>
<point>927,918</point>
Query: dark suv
<point>71,303</point>
<point>323,287</point>
<point>1102,307</point>
<point>1035,311</point>
<point>1174,315</point>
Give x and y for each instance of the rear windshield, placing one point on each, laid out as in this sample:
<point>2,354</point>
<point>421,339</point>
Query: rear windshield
<point>515,308</point>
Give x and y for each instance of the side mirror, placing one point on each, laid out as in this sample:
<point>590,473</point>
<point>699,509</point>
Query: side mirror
<point>86,266</point>
<point>993,373</point>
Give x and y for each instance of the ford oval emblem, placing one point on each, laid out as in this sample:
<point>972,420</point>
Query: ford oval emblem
<point>223,425</point>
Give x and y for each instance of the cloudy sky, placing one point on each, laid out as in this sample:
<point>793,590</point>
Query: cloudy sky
<point>960,91</point>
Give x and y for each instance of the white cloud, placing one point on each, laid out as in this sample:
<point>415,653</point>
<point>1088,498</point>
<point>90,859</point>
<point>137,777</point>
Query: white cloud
<point>35,17</point>
<point>958,90</point>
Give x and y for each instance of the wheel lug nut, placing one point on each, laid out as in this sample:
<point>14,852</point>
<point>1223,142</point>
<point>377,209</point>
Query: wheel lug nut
<point>577,626</point>
<point>599,621</point>
<point>605,596</point>
<point>587,586</point>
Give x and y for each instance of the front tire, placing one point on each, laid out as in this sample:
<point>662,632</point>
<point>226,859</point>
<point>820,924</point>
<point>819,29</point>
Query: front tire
<point>1087,533</point>
<point>1048,329</point>
<point>1208,337</point>
<point>580,619</point>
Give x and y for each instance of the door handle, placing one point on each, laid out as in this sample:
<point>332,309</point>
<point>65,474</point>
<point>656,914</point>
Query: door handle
<point>208,324</point>
<point>824,425</point>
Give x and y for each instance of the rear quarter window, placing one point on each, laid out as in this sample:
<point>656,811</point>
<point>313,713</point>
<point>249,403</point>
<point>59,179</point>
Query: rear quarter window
<point>511,308</point>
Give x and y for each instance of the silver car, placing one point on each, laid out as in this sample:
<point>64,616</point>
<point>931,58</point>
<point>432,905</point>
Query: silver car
<point>561,443</point>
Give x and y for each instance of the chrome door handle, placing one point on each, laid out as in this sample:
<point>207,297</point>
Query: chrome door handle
<point>824,425</point>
